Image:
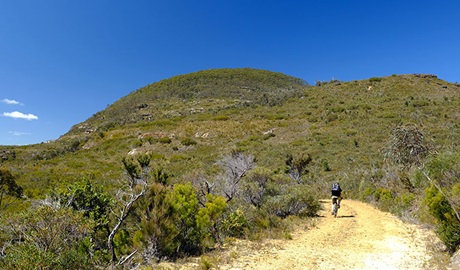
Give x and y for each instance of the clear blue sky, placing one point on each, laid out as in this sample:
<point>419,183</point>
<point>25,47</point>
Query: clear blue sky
<point>61,61</point>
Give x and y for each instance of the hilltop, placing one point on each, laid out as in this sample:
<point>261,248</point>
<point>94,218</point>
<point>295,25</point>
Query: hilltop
<point>223,88</point>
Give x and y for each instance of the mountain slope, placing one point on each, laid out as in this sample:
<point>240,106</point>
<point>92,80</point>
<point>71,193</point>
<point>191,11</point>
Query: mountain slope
<point>342,125</point>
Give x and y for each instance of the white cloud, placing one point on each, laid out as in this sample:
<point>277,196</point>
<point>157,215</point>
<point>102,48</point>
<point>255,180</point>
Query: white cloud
<point>20,115</point>
<point>10,101</point>
<point>18,133</point>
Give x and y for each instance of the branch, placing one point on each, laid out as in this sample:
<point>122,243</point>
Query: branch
<point>123,260</point>
<point>124,212</point>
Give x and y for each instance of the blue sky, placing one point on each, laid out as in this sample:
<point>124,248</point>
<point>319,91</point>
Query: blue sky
<point>61,61</point>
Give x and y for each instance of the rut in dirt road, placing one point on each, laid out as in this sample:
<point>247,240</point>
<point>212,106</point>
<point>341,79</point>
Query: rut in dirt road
<point>361,237</point>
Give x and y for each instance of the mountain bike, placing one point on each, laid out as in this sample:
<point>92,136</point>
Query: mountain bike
<point>335,206</point>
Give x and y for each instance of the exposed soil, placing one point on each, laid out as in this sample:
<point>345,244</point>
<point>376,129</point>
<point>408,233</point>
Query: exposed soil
<point>361,237</point>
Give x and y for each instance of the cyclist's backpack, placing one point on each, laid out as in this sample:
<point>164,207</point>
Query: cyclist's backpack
<point>335,187</point>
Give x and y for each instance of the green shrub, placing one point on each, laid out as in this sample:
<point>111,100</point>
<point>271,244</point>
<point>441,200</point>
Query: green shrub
<point>294,200</point>
<point>93,202</point>
<point>188,141</point>
<point>221,118</point>
<point>184,202</point>
<point>368,194</point>
<point>375,79</point>
<point>403,203</point>
<point>448,227</point>
<point>51,239</point>
<point>420,103</point>
<point>158,224</point>
<point>384,198</point>
<point>325,165</point>
<point>331,118</point>
<point>165,140</point>
<point>206,263</point>
<point>258,219</point>
<point>178,158</point>
<point>9,189</point>
<point>268,136</point>
<point>209,219</point>
<point>236,224</point>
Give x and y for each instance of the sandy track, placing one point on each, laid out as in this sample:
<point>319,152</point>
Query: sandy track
<point>361,237</point>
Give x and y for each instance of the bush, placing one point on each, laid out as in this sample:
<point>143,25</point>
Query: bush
<point>158,223</point>
<point>188,141</point>
<point>325,165</point>
<point>375,79</point>
<point>236,224</point>
<point>8,187</point>
<point>93,203</point>
<point>209,219</point>
<point>88,199</point>
<point>165,140</point>
<point>221,118</point>
<point>294,200</point>
<point>448,227</point>
<point>184,202</point>
<point>50,239</point>
<point>384,198</point>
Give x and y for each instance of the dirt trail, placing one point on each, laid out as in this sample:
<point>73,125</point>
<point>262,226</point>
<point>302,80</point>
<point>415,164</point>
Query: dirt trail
<point>361,237</point>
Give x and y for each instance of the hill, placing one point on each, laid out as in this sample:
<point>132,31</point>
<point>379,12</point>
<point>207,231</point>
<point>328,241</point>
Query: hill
<point>189,123</point>
<point>223,88</point>
<point>343,125</point>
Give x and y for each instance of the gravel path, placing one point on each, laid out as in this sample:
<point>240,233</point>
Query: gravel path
<point>361,237</point>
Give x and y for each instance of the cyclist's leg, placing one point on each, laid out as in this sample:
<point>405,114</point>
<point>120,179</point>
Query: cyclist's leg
<point>334,200</point>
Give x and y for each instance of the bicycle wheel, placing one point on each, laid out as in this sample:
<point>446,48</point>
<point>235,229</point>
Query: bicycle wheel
<point>336,209</point>
<point>335,206</point>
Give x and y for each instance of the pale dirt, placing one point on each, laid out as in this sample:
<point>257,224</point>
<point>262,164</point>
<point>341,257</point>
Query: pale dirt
<point>361,237</point>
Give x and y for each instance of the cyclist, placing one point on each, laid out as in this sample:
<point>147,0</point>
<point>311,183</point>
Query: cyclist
<point>336,193</point>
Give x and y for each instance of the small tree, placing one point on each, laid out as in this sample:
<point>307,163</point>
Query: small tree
<point>157,223</point>
<point>297,166</point>
<point>133,189</point>
<point>8,187</point>
<point>93,203</point>
<point>255,187</point>
<point>235,167</point>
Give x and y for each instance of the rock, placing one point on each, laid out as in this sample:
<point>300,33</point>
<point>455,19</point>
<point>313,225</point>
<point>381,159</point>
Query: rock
<point>133,152</point>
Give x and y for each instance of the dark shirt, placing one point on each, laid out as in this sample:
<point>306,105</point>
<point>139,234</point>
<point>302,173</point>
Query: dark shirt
<point>336,192</point>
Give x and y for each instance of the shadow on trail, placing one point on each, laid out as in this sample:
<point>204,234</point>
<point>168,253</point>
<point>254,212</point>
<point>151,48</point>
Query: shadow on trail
<point>338,216</point>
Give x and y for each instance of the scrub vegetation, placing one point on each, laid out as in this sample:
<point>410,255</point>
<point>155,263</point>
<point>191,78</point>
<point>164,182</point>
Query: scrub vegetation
<point>183,165</point>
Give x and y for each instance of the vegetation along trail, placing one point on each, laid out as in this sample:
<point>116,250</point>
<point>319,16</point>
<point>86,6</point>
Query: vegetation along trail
<point>361,237</point>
